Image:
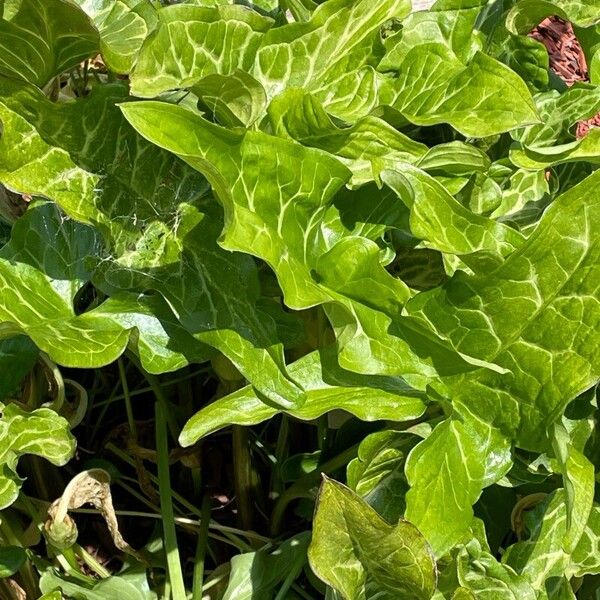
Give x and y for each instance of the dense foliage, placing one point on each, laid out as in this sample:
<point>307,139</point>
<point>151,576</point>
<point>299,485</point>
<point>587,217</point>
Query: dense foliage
<point>340,244</point>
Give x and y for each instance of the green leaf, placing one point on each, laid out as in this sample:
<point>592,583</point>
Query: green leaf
<point>578,480</point>
<point>446,474</point>
<point>370,145</point>
<point>526,14</point>
<point>256,575</point>
<point>523,188</point>
<point>202,284</point>
<point>123,26</point>
<point>534,159</point>
<point>294,189</point>
<point>362,556</point>
<point>440,220</point>
<point>487,579</point>
<point>542,556</point>
<point>327,387</point>
<point>130,585</point>
<point>11,560</point>
<point>462,84</point>
<point>512,316</point>
<point>43,271</point>
<point>17,357</point>
<point>225,38</point>
<point>332,55</point>
<point>40,39</point>
<point>365,148</point>
<point>235,100</point>
<point>142,204</point>
<point>41,432</point>
<point>377,474</point>
<point>559,112</point>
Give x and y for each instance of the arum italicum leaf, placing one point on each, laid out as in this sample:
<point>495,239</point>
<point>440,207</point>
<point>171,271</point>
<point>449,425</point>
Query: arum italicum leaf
<point>542,555</point>
<point>332,54</point>
<point>280,205</point>
<point>540,308</point>
<point>41,432</point>
<point>377,473</point>
<point>370,145</point>
<point>41,272</point>
<point>17,356</point>
<point>445,224</point>
<point>142,203</point>
<point>462,84</point>
<point>446,473</point>
<point>123,26</point>
<point>42,38</point>
<point>527,14</point>
<point>362,556</point>
<point>192,42</point>
<point>578,480</point>
<point>487,579</point>
<point>536,315</point>
<point>327,387</point>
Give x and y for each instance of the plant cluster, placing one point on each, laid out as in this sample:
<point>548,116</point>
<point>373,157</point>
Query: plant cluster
<point>340,246</point>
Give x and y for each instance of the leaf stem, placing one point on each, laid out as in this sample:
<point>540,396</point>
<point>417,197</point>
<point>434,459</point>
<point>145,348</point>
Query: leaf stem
<point>300,488</point>
<point>201,550</point>
<point>166,505</point>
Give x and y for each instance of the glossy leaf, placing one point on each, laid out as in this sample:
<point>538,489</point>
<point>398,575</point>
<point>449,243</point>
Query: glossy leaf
<point>327,387</point>
<point>123,26</point>
<point>362,556</point>
<point>512,315</point>
<point>41,432</point>
<point>40,39</point>
<point>542,556</point>
<point>256,575</point>
<point>377,474</point>
<point>11,560</point>
<point>462,83</point>
<point>17,357</point>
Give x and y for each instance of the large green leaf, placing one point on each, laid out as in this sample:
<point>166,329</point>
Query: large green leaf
<point>322,249</point>
<point>436,73</point>
<point>327,387</point>
<point>41,432</point>
<point>370,145</point>
<point>446,225</point>
<point>192,42</point>
<point>512,315</point>
<point>42,271</point>
<point>331,54</point>
<point>446,474</point>
<point>142,200</point>
<point>123,26</point>
<point>362,556</point>
<point>543,556</point>
<point>42,38</point>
